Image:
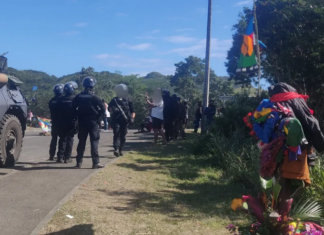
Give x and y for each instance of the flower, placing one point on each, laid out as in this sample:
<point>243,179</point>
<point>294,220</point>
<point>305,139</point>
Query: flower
<point>236,203</point>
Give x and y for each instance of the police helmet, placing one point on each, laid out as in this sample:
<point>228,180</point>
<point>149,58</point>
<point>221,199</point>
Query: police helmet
<point>179,98</point>
<point>165,92</point>
<point>69,87</point>
<point>58,89</point>
<point>174,96</point>
<point>89,82</point>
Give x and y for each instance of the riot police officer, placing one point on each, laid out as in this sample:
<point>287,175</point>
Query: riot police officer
<point>89,110</point>
<point>122,114</point>
<point>53,107</point>
<point>67,123</point>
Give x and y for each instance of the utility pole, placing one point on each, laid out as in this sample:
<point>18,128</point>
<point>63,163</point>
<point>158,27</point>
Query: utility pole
<point>207,63</point>
<point>258,49</point>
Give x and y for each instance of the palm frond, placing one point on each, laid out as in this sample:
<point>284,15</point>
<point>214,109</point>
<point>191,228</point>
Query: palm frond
<point>307,210</point>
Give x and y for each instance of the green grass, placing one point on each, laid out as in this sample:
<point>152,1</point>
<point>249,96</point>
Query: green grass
<point>161,190</point>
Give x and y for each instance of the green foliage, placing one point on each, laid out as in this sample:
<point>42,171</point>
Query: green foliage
<point>106,82</point>
<point>293,32</point>
<point>237,156</point>
<point>155,75</point>
<point>188,83</point>
<point>307,210</point>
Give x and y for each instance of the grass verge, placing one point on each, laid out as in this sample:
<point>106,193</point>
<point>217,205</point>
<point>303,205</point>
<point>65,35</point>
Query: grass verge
<point>155,190</point>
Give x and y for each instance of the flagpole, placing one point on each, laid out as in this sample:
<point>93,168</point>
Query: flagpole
<point>207,64</point>
<point>258,49</point>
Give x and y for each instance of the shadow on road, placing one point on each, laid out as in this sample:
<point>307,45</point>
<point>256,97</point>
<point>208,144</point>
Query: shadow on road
<point>82,229</point>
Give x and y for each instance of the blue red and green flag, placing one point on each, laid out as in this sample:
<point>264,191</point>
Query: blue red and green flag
<point>248,61</point>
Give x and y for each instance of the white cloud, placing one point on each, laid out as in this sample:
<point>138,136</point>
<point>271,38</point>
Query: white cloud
<point>106,56</point>
<point>71,33</point>
<point>120,14</point>
<point>126,62</point>
<point>180,39</point>
<point>139,47</point>
<point>219,48</point>
<point>185,30</point>
<point>81,24</point>
<point>238,4</point>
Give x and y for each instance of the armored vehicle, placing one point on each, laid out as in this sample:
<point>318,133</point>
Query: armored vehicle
<point>13,116</point>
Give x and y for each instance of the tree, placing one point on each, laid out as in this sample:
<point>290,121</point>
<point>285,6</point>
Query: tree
<point>293,32</point>
<point>188,82</point>
<point>188,77</point>
<point>154,75</point>
<point>84,73</point>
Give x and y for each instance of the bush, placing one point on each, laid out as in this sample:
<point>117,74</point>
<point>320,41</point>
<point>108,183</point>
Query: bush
<point>228,145</point>
<point>236,155</point>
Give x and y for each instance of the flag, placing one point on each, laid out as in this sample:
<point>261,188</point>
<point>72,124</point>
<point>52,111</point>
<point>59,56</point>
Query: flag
<point>248,61</point>
<point>262,46</point>
<point>45,124</point>
<point>35,88</point>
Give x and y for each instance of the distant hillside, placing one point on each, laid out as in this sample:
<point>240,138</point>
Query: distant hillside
<point>106,81</point>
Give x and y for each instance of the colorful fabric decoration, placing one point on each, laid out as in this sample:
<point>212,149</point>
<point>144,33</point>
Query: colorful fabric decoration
<point>289,96</point>
<point>44,123</point>
<point>248,62</point>
<point>268,157</point>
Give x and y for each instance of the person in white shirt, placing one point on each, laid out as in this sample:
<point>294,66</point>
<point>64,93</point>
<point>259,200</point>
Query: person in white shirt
<point>157,114</point>
<point>107,115</point>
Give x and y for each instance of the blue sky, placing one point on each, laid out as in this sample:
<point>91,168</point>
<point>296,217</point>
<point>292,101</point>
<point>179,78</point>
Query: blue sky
<point>131,36</point>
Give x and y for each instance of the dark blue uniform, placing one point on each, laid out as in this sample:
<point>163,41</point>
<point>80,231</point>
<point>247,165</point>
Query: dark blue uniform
<point>118,121</point>
<point>169,116</point>
<point>67,127</point>
<point>89,109</point>
<point>53,106</point>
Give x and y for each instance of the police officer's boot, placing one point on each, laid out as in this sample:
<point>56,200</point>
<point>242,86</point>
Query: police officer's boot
<point>78,165</point>
<point>116,153</point>
<point>68,160</point>
<point>97,166</point>
<point>59,161</point>
<point>121,152</point>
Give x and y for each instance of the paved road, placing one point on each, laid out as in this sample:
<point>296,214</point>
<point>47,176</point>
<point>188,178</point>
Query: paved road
<point>35,186</point>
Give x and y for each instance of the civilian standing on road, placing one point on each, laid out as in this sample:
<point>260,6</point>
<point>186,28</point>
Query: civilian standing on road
<point>89,110</point>
<point>122,114</point>
<point>30,117</point>
<point>67,123</point>
<point>53,107</point>
<point>157,114</point>
<point>105,119</point>
<point>198,116</point>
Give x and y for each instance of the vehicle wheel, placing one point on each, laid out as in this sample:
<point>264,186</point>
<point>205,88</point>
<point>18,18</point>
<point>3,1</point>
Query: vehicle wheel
<point>11,138</point>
